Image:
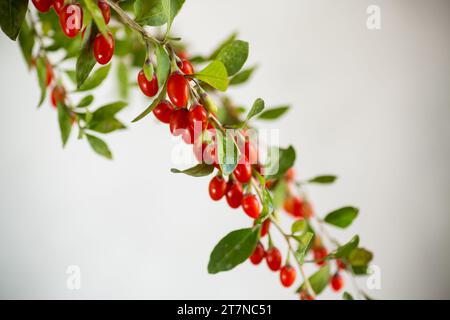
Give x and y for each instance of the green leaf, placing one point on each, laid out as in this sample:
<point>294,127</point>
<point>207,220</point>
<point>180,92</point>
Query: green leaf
<point>96,78</point>
<point>233,55</point>
<point>318,280</point>
<point>106,125</point>
<point>342,217</point>
<point>303,244</point>
<point>26,42</point>
<point>152,106</point>
<point>233,249</point>
<point>41,70</point>
<point>279,194</point>
<point>149,12</point>
<point>97,16</point>
<point>170,10</point>
<point>122,75</point>
<point>86,60</point>
<point>273,113</point>
<point>298,226</point>
<point>280,160</point>
<point>85,102</point>
<point>148,70</point>
<point>99,146</point>
<point>360,257</point>
<point>257,107</point>
<point>223,44</point>
<point>344,250</point>
<point>163,65</point>
<point>199,170</point>
<point>215,74</point>
<point>242,76</point>
<point>323,179</point>
<point>227,152</point>
<point>65,122</point>
<point>103,120</point>
<point>347,296</point>
<point>12,15</point>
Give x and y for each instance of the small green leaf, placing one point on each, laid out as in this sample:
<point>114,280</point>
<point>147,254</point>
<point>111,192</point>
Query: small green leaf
<point>323,179</point>
<point>109,110</point>
<point>360,257</point>
<point>214,74</point>
<point>86,60</point>
<point>103,119</point>
<point>242,76</point>
<point>148,70</point>
<point>233,249</point>
<point>152,106</point>
<point>342,217</point>
<point>122,76</point>
<point>95,79</point>
<point>347,296</point>
<point>303,244</point>
<point>149,12</point>
<point>257,107</point>
<point>199,170</point>
<point>26,42</point>
<point>97,16</point>
<point>318,280</point>
<point>233,55</point>
<point>223,44</point>
<point>227,152</point>
<point>99,146</point>
<point>170,10</point>
<point>273,113</point>
<point>41,70</point>
<point>299,226</point>
<point>279,161</point>
<point>85,102</point>
<point>65,122</point>
<point>12,15</point>
<point>344,250</point>
<point>163,65</point>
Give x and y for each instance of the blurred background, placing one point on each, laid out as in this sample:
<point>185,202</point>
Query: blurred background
<point>371,106</point>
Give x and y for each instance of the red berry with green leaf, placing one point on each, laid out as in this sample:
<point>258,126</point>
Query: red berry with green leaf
<point>258,254</point>
<point>217,188</point>
<point>178,89</point>
<point>149,88</point>
<point>273,259</point>
<point>287,275</point>
<point>71,19</point>
<point>251,206</point>
<point>103,48</point>
<point>58,95</point>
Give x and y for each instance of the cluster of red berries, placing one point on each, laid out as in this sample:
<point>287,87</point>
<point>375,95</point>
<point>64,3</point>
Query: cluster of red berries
<point>71,20</point>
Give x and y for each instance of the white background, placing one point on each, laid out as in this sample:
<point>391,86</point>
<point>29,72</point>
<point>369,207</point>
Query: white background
<point>369,106</point>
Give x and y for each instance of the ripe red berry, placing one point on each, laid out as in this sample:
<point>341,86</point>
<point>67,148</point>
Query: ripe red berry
<point>340,264</point>
<point>179,122</point>
<point>258,254</point>
<point>250,152</point>
<point>273,259</point>
<point>58,5</point>
<point>178,89</point>
<point>58,95</point>
<point>337,282</point>
<point>149,88</point>
<point>106,11</point>
<point>71,19</point>
<point>294,206</point>
<point>198,114</point>
<point>217,188</point>
<point>287,276</point>
<point>185,66</point>
<point>251,206</point>
<point>265,227</point>
<point>49,71</point>
<point>42,5</point>
<point>319,254</point>
<point>234,194</point>
<point>103,48</point>
<point>243,172</point>
<point>182,55</point>
<point>163,111</point>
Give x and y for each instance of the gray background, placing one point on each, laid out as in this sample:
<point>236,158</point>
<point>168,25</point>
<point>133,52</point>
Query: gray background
<point>370,106</point>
